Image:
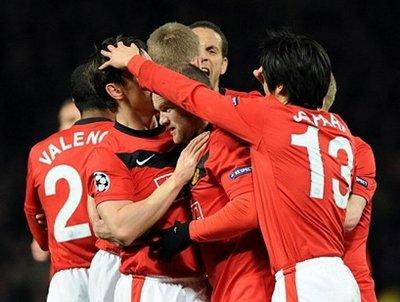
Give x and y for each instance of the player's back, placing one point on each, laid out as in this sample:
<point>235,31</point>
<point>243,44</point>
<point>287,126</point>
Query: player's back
<point>302,167</point>
<point>56,178</point>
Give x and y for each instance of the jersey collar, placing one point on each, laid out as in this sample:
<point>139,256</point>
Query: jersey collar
<point>89,120</point>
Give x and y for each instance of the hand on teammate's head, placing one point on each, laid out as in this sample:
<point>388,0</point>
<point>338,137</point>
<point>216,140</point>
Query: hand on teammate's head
<point>120,56</point>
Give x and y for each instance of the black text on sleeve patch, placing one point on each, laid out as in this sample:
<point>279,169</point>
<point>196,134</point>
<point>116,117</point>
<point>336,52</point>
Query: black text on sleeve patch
<point>362,181</point>
<point>239,172</point>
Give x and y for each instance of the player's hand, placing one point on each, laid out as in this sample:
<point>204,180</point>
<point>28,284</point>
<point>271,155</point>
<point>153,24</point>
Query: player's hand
<point>172,241</point>
<point>41,220</point>
<point>37,253</point>
<point>189,158</point>
<point>119,56</point>
<point>258,74</point>
<point>100,228</point>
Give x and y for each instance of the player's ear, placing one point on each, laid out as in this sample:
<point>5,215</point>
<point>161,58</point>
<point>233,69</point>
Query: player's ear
<point>280,90</point>
<point>114,91</point>
<point>224,66</point>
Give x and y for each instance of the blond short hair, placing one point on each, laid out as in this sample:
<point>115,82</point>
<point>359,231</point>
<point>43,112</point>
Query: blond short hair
<point>173,43</point>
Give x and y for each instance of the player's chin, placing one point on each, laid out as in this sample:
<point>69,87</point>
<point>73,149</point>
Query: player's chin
<point>176,137</point>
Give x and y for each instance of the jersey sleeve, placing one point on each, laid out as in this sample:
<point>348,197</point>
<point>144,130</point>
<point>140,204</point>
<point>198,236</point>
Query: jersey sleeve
<point>107,177</point>
<point>253,93</point>
<point>32,207</point>
<point>364,183</point>
<point>242,116</point>
<point>237,217</point>
<point>229,163</point>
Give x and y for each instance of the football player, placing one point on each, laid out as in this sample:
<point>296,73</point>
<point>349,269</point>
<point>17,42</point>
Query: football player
<point>55,186</point>
<point>302,158</point>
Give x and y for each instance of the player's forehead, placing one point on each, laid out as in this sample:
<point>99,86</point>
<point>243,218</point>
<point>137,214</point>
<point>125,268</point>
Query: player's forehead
<point>159,101</point>
<point>208,37</point>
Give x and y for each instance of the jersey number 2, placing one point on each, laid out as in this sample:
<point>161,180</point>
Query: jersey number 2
<point>310,141</point>
<point>62,232</point>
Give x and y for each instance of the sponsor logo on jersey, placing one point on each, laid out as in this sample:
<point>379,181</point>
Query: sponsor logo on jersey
<point>101,181</point>
<point>142,162</point>
<point>239,172</point>
<point>362,181</point>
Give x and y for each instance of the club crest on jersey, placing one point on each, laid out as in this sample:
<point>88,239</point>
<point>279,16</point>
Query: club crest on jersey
<point>195,177</point>
<point>239,172</point>
<point>362,181</point>
<point>101,181</point>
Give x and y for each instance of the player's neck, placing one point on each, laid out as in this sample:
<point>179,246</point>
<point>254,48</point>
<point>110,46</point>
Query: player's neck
<point>91,113</point>
<point>216,86</point>
<point>136,120</point>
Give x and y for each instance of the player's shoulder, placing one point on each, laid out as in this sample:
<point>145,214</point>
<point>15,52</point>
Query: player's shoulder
<point>223,145</point>
<point>222,139</point>
<point>361,145</point>
<point>365,159</point>
<point>38,147</point>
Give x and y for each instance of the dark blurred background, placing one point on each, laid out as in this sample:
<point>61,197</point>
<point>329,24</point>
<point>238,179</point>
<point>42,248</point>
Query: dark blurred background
<point>44,40</point>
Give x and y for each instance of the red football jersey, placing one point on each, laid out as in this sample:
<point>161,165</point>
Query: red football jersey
<point>238,268</point>
<point>231,92</point>
<point>130,165</point>
<point>56,185</point>
<point>302,162</point>
<point>355,243</point>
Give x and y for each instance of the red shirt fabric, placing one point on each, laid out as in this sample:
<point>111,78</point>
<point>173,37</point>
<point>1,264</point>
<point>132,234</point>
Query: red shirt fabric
<point>238,268</point>
<point>133,164</point>
<point>355,256</point>
<point>302,162</point>
<point>55,184</point>
<point>226,91</point>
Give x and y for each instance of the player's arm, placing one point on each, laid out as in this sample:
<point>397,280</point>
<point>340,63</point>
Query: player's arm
<point>243,117</point>
<point>100,228</point>
<point>354,210</point>
<point>128,220</point>
<point>33,210</point>
<point>251,94</point>
<point>364,184</point>
<point>230,164</point>
<point>237,217</point>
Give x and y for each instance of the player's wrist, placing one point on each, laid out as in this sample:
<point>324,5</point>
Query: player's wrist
<point>178,179</point>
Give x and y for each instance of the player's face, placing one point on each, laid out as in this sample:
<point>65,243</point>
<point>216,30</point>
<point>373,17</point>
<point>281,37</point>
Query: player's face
<point>68,115</point>
<point>182,125</point>
<point>211,49</point>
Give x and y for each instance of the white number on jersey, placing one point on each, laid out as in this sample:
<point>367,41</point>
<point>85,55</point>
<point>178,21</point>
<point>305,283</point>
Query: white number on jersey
<point>62,232</point>
<point>310,141</point>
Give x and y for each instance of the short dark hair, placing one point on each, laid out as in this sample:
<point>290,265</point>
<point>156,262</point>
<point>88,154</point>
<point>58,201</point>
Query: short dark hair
<point>100,78</point>
<point>217,29</point>
<point>82,90</point>
<point>300,64</point>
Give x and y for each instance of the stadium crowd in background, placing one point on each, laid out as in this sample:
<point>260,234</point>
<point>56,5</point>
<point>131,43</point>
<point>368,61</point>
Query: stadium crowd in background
<point>197,192</point>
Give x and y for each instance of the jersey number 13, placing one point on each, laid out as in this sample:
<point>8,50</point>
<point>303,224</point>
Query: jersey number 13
<point>310,141</point>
